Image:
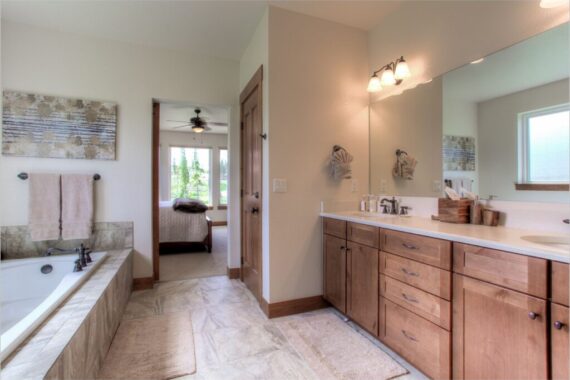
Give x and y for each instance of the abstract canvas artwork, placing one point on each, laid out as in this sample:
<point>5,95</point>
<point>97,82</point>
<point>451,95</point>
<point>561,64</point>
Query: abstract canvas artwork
<point>55,127</point>
<point>458,153</point>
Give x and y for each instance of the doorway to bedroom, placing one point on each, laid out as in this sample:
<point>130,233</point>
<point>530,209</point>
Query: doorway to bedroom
<point>190,191</point>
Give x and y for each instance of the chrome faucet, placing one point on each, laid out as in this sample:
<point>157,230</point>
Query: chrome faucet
<point>393,205</point>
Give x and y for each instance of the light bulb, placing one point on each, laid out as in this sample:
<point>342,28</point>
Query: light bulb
<point>387,78</point>
<point>402,70</point>
<point>198,129</point>
<point>374,84</point>
<point>552,3</point>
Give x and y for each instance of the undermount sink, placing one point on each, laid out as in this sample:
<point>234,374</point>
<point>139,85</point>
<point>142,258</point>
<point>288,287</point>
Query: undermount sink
<point>558,241</point>
<point>364,214</point>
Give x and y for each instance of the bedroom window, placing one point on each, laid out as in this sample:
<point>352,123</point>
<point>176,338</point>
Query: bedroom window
<point>223,177</point>
<point>190,173</point>
<point>544,147</point>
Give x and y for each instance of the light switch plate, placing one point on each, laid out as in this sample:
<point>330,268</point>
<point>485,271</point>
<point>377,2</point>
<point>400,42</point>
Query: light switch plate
<point>279,185</point>
<point>383,186</point>
<point>354,186</point>
<point>436,186</point>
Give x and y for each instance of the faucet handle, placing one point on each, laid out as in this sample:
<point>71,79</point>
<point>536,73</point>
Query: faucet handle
<point>404,210</point>
<point>78,267</point>
<point>567,221</point>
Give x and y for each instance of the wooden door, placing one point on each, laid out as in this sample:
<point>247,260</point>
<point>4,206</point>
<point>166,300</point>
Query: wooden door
<point>362,286</point>
<point>559,342</point>
<point>335,271</point>
<point>497,333</point>
<point>251,182</point>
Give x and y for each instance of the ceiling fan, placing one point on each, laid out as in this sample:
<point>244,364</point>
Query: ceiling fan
<point>198,123</point>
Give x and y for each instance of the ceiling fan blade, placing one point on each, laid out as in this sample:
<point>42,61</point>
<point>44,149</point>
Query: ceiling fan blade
<point>181,126</point>
<point>218,124</point>
<point>178,121</point>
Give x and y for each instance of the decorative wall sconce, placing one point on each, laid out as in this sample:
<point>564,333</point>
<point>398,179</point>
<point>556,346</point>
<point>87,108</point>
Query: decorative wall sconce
<point>392,74</point>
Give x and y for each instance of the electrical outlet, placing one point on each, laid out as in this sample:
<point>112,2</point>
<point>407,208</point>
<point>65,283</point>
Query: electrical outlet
<point>436,186</point>
<point>383,186</point>
<point>279,185</point>
<point>354,186</point>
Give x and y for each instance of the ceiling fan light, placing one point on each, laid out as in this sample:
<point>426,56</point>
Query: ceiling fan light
<point>402,70</point>
<point>198,128</point>
<point>387,78</point>
<point>374,84</point>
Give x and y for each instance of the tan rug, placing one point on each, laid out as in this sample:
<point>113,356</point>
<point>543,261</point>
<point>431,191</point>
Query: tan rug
<point>333,350</point>
<point>156,347</point>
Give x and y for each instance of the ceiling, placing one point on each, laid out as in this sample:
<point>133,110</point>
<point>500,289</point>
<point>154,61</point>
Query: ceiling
<point>542,59</point>
<point>218,28</point>
<point>182,112</point>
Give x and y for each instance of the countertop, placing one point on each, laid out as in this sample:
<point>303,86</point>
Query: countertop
<point>501,238</point>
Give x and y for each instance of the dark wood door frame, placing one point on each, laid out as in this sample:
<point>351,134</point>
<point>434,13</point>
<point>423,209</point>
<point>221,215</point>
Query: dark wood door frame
<point>155,190</point>
<point>255,83</point>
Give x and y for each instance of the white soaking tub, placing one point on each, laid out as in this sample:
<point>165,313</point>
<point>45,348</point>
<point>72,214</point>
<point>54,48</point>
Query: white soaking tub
<point>33,288</point>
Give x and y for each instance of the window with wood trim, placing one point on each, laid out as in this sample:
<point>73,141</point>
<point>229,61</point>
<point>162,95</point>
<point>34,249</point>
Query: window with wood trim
<point>544,149</point>
<point>223,162</point>
<point>190,170</point>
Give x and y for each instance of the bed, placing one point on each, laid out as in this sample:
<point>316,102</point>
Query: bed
<point>179,231</point>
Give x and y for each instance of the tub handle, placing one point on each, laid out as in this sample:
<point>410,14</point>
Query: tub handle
<point>78,267</point>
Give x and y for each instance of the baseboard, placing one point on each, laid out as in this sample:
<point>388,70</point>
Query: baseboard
<point>220,223</point>
<point>296,306</point>
<point>143,283</point>
<point>234,273</point>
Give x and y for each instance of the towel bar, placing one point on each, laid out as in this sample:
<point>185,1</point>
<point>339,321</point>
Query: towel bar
<point>24,176</point>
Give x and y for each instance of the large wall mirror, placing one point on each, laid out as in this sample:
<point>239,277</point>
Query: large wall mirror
<point>498,127</point>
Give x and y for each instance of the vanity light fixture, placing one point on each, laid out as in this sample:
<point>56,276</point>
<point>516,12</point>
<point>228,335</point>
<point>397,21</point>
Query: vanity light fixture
<point>392,74</point>
<point>477,61</point>
<point>552,3</point>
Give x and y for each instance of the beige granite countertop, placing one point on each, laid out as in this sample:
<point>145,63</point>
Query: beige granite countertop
<point>37,354</point>
<point>502,238</point>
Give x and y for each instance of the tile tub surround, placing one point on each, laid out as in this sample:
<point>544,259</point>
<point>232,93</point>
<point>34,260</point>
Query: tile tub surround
<point>16,242</point>
<point>501,238</point>
<point>73,341</point>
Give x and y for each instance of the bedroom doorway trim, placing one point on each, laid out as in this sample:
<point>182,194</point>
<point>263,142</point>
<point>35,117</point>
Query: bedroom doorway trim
<point>251,153</point>
<point>155,190</point>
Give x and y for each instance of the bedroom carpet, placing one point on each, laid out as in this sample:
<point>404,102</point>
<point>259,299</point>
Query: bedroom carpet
<point>182,266</point>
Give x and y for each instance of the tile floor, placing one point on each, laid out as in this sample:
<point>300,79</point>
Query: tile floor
<point>233,338</point>
<point>181,266</point>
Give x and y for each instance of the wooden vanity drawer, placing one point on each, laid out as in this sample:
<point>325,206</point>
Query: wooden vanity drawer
<point>518,272</point>
<point>432,308</point>
<point>363,234</point>
<point>334,227</point>
<point>427,250</point>
<point>422,343</point>
<point>433,280</point>
<point>560,283</point>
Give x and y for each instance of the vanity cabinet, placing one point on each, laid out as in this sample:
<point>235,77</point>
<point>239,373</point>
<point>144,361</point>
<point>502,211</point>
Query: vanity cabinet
<point>335,271</point>
<point>559,318</point>
<point>362,286</point>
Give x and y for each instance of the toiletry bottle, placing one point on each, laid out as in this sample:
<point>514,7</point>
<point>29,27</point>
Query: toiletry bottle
<point>363,203</point>
<point>372,203</point>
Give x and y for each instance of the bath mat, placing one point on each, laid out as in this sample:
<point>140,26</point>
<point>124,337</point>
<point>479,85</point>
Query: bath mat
<point>334,350</point>
<point>156,347</point>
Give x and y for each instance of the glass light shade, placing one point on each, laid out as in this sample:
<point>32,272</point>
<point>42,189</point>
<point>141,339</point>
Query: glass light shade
<point>402,70</point>
<point>552,3</point>
<point>197,129</point>
<point>374,84</point>
<point>387,78</point>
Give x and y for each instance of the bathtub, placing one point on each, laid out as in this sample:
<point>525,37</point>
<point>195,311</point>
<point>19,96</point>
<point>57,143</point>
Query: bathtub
<point>33,288</point>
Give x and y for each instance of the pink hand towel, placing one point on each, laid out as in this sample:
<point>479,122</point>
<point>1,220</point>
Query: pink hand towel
<point>44,206</point>
<point>76,206</point>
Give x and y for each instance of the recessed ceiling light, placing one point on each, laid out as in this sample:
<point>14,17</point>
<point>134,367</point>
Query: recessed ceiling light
<point>477,61</point>
<point>552,3</point>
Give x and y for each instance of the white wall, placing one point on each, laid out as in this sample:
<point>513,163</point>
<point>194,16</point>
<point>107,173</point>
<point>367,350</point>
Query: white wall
<point>189,139</point>
<point>498,141</point>
<point>318,76</point>
<point>438,36</point>
<point>49,62</point>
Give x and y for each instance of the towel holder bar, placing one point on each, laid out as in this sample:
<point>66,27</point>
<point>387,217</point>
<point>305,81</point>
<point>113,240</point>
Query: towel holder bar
<point>24,176</point>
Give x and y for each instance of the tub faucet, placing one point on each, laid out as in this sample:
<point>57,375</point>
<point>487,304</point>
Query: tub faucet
<point>58,251</point>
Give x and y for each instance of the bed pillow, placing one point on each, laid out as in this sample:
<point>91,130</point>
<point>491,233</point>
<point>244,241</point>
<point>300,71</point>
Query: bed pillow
<point>192,206</point>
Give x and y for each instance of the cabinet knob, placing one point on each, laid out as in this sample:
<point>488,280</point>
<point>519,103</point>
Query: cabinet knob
<point>558,325</point>
<point>532,315</point>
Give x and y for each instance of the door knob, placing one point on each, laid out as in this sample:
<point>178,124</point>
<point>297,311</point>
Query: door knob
<point>558,325</point>
<point>532,315</point>
<point>254,210</point>
<point>256,195</point>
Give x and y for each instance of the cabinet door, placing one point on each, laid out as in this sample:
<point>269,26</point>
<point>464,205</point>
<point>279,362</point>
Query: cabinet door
<point>559,342</point>
<point>497,333</point>
<point>362,287</point>
<point>335,272</point>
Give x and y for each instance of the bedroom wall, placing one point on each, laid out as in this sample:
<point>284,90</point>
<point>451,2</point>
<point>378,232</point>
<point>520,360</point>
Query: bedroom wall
<point>65,64</point>
<point>190,139</point>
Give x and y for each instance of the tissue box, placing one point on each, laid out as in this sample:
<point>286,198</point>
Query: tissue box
<point>451,211</point>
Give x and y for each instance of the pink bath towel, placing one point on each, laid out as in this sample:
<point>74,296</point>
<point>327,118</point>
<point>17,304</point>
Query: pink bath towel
<point>76,206</point>
<point>44,206</point>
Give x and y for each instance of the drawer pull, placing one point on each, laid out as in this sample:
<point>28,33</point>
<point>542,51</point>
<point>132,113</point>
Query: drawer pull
<point>409,246</point>
<point>532,315</point>
<point>410,337</point>
<point>407,272</point>
<point>342,248</point>
<point>558,325</point>
<point>409,299</point>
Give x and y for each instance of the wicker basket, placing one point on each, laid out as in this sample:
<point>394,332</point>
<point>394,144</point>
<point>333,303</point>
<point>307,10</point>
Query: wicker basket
<point>451,211</point>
